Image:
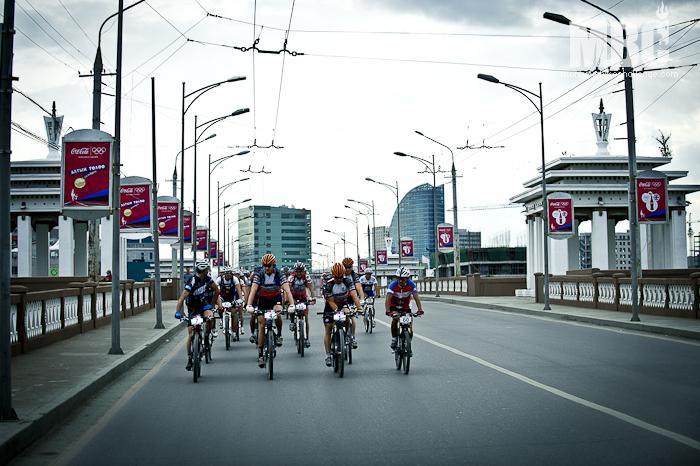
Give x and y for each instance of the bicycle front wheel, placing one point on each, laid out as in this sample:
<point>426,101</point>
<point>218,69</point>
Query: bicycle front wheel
<point>227,331</point>
<point>270,354</point>
<point>301,328</point>
<point>341,353</point>
<point>371,319</point>
<point>397,352</point>
<point>196,362</point>
<point>407,353</point>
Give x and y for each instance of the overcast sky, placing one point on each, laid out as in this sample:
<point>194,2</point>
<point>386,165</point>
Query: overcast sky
<point>354,98</point>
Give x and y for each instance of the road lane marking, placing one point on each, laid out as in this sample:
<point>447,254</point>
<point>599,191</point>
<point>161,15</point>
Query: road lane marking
<point>567,396</point>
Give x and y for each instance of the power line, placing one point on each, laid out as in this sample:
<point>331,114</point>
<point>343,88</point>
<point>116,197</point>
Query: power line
<point>31,100</point>
<point>77,24</point>
<point>664,92</point>
<point>166,20</point>
<point>46,51</point>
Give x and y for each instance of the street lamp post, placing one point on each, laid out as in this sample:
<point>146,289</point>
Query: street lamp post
<point>395,190</point>
<point>374,229</point>
<point>196,94</point>
<point>457,258</point>
<point>357,236</point>
<point>342,238</point>
<point>635,269</point>
<point>219,192</point>
<point>545,229</point>
<point>329,247</point>
<point>430,167</point>
<point>369,237</point>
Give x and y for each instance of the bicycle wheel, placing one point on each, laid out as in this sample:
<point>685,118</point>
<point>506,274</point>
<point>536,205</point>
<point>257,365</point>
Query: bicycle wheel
<point>348,347</point>
<point>301,328</point>
<point>195,357</point>
<point>270,354</point>
<point>206,347</point>
<point>334,350</point>
<point>371,319</point>
<point>227,330</point>
<point>407,353</point>
<point>365,319</point>
<point>397,352</point>
<point>235,324</point>
<point>341,353</point>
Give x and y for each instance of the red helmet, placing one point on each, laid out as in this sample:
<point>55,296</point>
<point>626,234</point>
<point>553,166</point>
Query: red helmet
<point>268,260</point>
<point>338,270</point>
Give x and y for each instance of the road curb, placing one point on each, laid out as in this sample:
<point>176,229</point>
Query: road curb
<point>39,426</point>
<point>638,326</point>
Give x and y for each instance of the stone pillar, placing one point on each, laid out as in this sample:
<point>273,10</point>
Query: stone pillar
<point>602,248</point>
<point>122,258</point>
<point>653,241</point>
<point>563,253</point>
<point>678,243</point>
<point>24,246</point>
<point>105,245</point>
<point>42,250</point>
<point>175,261</point>
<point>538,259</point>
<point>81,249</point>
<point>530,277</point>
<point>66,247</point>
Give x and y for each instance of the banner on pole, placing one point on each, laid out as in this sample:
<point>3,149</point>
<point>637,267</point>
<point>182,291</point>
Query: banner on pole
<point>652,197</point>
<point>168,217</point>
<point>406,247</point>
<point>187,226</point>
<point>202,235</point>
<point>382,257</point>
<point>86,176</point>
<point>560,215</point>
<point>364,264</point>
<point>135,205</point>
<point>213,247</point>
<point>445,237</point>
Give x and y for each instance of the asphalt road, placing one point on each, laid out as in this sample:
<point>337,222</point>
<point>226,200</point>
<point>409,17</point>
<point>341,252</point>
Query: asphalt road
<point>485,388</point>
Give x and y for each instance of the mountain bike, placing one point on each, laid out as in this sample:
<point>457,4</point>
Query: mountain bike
<point>227,323</point>
<point>338,339</point>
<point>403,352</point>
<point>368,317</point>
<point>349,334</point>
<point>198,351</point>
<point>269,349</point>
<point>298,326</point>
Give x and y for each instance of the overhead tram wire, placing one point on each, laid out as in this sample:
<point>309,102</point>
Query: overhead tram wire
<point>49,35</point>
<point>77,24</point>
<point>57,31</point>
<point>664,92</point>
<point>254,109</point>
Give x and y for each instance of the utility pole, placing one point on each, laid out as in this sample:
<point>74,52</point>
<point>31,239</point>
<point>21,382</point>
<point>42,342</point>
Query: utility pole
<point>154,214</point>
<point>7,413</point>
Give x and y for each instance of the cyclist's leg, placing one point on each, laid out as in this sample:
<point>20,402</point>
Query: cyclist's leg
<point>278,324</point>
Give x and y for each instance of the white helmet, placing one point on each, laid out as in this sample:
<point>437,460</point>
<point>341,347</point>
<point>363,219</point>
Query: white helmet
<point>368,270</point>
<point>403,272</point>
<point>202,266</point>
<point>226,270</point>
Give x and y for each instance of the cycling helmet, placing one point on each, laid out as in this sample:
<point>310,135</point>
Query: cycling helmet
<point>368,271</point>
<point>285,270</point>
<point>348,262</point>
<point>202,266</point>
<point>300,267</point>
<point>226,270</point>
<point>268,259</point>
<point>338,270</point>
<point>403,272</point>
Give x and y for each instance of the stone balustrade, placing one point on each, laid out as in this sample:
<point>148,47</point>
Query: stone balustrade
<point>470,285</point>
<point>674,295</point>
<point>39,318</point>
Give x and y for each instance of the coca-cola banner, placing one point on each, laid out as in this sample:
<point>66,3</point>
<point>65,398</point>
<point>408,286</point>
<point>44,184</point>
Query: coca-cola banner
<point>445,237</point>
<point>202,235</point>
<point>364,264</point>
<point>168,219</point>
<point>213,246</point>
<point>187,226</point>
<point>560,215</point>
<point>652,197</point>
<point>407,247</point>
<point>382,257</point>
<point>135,203</point>
<point>86,175</point>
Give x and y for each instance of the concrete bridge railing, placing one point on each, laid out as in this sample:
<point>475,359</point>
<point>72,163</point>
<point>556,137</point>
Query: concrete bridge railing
<point>675,295</point>
<point>39,318</point>
<point>470,285</point>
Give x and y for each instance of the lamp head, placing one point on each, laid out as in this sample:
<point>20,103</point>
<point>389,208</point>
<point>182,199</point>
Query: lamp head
<point>418,132</point>
<point>245,200</point>
<point>488,77</point>
<point>243,152</point>
<point>235,78</point>
<point>557,18</point>
<point>370,179</point>
<point>400,154</point>
<point>240,111</point>
<point>211,136</point>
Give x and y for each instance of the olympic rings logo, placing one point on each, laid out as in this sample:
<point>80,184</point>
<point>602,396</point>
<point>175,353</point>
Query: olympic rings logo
<point>98,150</point>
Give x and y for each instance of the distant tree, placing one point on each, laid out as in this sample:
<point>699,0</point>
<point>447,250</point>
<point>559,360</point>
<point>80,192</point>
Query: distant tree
<point>664,146</point>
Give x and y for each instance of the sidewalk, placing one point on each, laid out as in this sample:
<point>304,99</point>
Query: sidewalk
<point>672,326</point>
<point>49,383</point>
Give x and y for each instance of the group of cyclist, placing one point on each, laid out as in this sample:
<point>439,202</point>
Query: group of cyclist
<point>270,289</point>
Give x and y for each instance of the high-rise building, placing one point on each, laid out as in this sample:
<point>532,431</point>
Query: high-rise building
<point>282,231</point>
<point>469,239</point>
<point>416,210</point>
<point>622,251</point>
<point>380,234</point>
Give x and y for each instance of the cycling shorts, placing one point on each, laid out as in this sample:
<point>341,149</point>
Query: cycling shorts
<point>267,304</point>
<point>369,293</point>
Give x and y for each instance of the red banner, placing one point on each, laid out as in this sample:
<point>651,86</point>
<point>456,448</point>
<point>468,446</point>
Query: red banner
<point>168,219</point>
<point>445,237</point>
<point>213,246</point>
<point>135,202</point>
<point>86,174</point>
<point>652,197</point>
<point>187,226</point>
<point>364,264</point>
<point>406,248</point>
<point>382,257</point>
<point>560,213</point>
<point>202,235</point>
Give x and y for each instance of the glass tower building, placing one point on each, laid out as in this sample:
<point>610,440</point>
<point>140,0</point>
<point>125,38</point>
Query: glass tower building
<point>416,209</point>
<point>282,231</point>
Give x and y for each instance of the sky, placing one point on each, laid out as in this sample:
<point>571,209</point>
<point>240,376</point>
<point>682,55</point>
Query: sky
<point>364,76</point>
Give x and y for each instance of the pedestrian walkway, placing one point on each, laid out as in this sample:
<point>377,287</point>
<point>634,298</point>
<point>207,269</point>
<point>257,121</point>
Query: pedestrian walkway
<point>672,326</point>
<point>50,382</point>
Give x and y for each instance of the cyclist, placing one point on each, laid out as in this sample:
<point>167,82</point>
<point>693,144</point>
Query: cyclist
<point>350,272</point>
<point>398,300</point>
<point>338,291</point>
<point>231,292</point>
<point>267,283</point>
<point>303,292</point>
<point>370,287</point>
<point>200,292</point>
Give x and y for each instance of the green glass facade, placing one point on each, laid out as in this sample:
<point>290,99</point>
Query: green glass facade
<point>282,231</point>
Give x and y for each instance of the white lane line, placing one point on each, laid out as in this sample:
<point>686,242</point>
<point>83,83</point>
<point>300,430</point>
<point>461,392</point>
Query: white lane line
<point>567,396</point>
